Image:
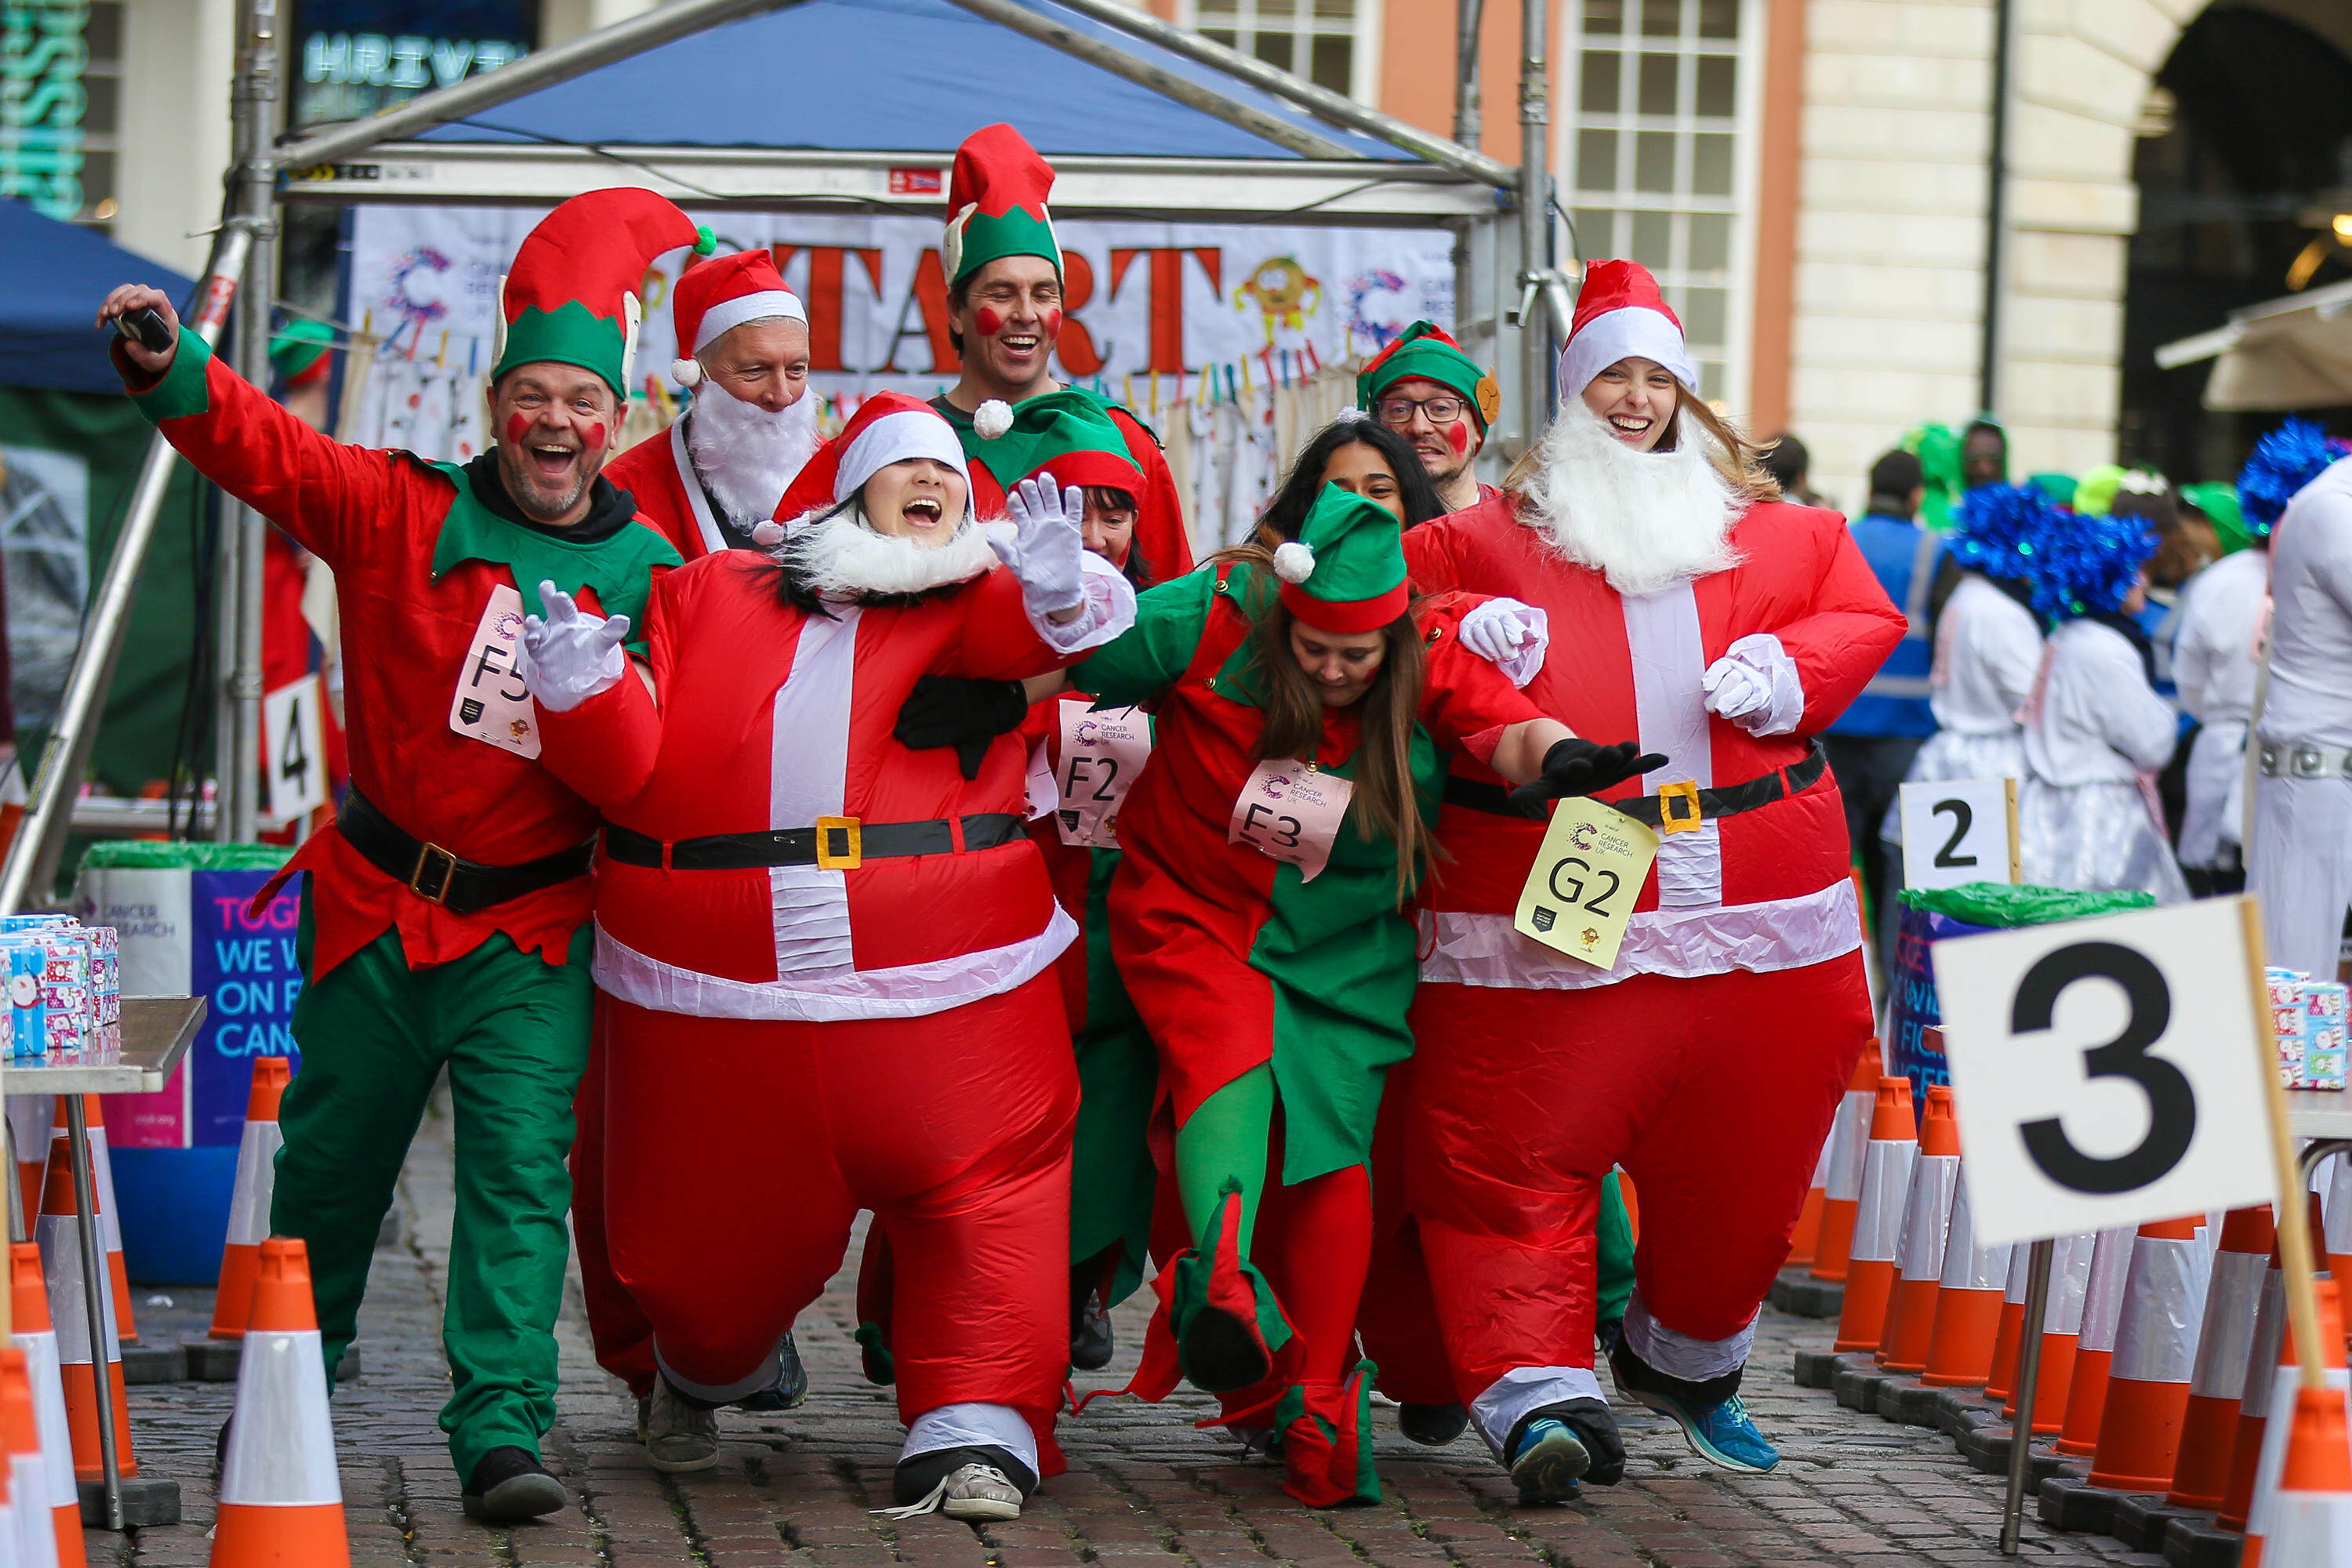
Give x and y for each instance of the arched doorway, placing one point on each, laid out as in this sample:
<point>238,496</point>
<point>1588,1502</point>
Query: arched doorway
<point>2244,159</point>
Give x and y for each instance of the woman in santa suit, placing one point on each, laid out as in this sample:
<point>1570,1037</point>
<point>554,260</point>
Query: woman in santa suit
<point>803,925</point>
<point>1304,704</point>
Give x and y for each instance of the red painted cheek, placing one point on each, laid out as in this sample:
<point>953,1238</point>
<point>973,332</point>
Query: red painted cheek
<point>594,439</point>
<point>988,323</point>
<point>1457,436</point>
<point>516,428</point>
<point>1052,319</point>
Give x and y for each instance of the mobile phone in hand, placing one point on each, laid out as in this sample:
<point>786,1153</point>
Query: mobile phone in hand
<point>145,325</point>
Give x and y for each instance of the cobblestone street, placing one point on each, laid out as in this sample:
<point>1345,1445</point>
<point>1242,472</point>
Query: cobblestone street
<point>1143,1484</point>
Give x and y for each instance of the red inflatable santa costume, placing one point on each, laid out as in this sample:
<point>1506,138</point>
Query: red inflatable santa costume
<point>828,959</point>
<point>1726,631</point>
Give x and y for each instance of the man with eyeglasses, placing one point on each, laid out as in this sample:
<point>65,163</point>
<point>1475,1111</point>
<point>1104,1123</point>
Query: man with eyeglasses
<point>1424,387</point>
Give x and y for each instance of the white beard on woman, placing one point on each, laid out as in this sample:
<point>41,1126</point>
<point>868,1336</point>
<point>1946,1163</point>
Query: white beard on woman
<point>746,455</point>
<point>1646,520</point>
<point>838,554</point>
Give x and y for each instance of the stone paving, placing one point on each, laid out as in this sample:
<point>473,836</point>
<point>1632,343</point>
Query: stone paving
<point>1145,1488</point>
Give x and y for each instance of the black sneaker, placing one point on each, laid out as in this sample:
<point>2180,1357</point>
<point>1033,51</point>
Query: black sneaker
<point>1092,1342</point>
<point>1433,1426</point>
<point>790,1390</point>
<point>511,1486</point>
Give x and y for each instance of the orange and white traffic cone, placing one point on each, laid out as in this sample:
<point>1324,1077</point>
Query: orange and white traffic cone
<point>1910,1323</point>
<point>2154,1358</point>
<point>2271,1381</point>
<point>2307,1520</point>
<point>2209,1425</point>
<point>2001,1380</point>
<point>1967,1304</point>
<point>109,1223</point>
<point>248,1207</point>
<point>59,1235</point>
<point>28,1134</point>
<point>1878,1215</point>
<point>281,1504</point>
<point>30,1333</point>
<point>2062,1325</point>
<point>2334,1235</point>
<point>28,1471</point>
<point>1805,1236</point>
<point>1849,1143</point>
<point>2094,1344</point>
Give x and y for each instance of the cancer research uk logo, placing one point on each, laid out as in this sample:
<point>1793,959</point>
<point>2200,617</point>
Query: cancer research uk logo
<point>1275,786</point>
<point>1580,836</point>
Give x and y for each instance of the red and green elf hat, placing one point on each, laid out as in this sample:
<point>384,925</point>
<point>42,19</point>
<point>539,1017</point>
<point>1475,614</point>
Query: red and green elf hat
<point>1066,434</point>
<point>1427,351</point>
<point>1345,572</point>
<point>572,295</point>
<point>996,203</point>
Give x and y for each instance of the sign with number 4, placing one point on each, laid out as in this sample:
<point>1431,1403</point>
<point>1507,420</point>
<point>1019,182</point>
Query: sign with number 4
<point>1959,830</point>
<point>2108,1072</point>
<point>294,748</point>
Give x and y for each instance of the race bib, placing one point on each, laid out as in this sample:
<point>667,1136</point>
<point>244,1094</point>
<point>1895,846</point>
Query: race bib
<point>1579,893</point>
<point>1102,750</point>
<point>1291,811</point>
<point>492,703</point>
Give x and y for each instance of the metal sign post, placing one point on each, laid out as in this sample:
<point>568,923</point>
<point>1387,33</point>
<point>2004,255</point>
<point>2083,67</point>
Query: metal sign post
<point>2029,1372</point>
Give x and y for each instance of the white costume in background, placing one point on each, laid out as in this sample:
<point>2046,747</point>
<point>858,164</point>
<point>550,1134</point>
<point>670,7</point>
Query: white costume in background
<point>2213,668</point>
<point>1988,650</point>
<point>2301,860</point>
<point>2093,726</point>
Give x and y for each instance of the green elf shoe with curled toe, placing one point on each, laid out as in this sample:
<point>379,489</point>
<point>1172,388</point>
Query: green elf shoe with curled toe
<point>1228,1326</point>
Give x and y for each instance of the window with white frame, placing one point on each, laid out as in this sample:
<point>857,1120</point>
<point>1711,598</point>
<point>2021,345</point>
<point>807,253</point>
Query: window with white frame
<point>1662,90</point>
<point>1329,42</point>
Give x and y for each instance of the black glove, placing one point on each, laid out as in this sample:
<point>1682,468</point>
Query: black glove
<point>1580,767</point>
<point>948,710</point>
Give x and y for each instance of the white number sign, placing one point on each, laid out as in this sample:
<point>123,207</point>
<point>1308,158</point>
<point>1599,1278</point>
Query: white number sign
<point>1959,830</point>
<point>2108,1072</point>
<point>294,748</point>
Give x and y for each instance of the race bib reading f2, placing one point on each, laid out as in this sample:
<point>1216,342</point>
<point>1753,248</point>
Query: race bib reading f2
<point>1291,811</point>
<point>1102,750</point>
<point>1580,892</point>
<point>492,703</point>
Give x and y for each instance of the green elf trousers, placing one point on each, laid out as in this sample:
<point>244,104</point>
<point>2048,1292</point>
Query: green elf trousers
<point>512,1030</point>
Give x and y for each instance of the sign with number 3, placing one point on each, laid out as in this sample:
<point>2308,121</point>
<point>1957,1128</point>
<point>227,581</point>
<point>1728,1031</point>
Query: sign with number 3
<point>2109,1072</point>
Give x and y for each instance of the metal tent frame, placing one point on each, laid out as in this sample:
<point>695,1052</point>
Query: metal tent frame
<point>1506,276</point>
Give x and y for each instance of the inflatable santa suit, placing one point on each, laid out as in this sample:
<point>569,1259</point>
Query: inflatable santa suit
<point>712,481</point>
<point>828,959</point>
<point>1707,1061</point>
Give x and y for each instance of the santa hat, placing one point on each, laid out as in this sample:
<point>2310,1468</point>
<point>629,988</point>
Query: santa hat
<point>888,427</point>
<point>572,297</point>
<point>1620,314</point>
<point>996,203</point>
<point>1345,572</point>
<point>1067,434</point>
<point>1426,351</point>
<point>713,298</point>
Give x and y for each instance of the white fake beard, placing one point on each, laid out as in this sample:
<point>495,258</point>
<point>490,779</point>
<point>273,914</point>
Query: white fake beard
<point>840,556</point>
<point>1646,520</point>
<point>747,456</point>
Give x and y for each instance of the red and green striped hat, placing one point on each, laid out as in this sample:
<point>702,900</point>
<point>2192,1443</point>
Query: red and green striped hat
<point>1427,351</point>
<point>571,297</point>
<point>1345,572</point>
<point>1067,434</point>
<point>996,203</point>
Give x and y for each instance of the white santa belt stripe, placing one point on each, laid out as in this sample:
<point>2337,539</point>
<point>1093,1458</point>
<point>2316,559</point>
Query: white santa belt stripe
<point>285,1454</point>
<point>1470,947</point>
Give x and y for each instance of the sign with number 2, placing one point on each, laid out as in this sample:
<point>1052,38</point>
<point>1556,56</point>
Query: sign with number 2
<point>1959,830</point>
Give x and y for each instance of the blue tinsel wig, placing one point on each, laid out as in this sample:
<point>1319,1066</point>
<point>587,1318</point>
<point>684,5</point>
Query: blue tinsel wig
<point>2285,460</point>
<point>2086,564</point>
<point>1995,529</point>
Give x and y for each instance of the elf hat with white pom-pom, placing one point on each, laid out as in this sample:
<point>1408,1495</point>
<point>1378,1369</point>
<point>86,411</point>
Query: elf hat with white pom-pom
<point>570,296</point>
<point>888,427</point>
<point>1345,572</point>
<point>1067,434</point>
<point>713,298</point>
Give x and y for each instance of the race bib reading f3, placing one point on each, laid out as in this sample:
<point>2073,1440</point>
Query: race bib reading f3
<point>492,703</point>
<point>1291,811</point>
<point>1580,892</point>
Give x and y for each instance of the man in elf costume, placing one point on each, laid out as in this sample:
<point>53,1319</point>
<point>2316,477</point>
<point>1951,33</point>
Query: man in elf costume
<point>1424,387</point>
<point>446,921</point>
<point>1726,630</point>
<point>1005,312</point>
<point>713,481</point>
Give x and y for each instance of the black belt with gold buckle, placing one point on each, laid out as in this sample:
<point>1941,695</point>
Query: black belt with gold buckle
<point>1670,808</point>
<point>440,877</point>
<point>835,844</point>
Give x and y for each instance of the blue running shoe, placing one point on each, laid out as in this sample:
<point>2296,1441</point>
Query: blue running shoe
<point>1547,1461</point>
<point>1719,1433</point>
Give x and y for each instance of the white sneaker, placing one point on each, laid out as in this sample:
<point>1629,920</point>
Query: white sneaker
<point>980,1491</point>
<point>679,1437</point>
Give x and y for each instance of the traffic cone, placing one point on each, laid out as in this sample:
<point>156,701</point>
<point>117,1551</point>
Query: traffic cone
<point>2001,1380</point>
<point>59,1235</point>
<point>1878,1215</point>
<point>281,1505</point>
<point>28,1471</point>
<point>2154,1358</point>
<point>2095,1345</point>
<point>2209,1427</point>
<point>2271,1382</point>
<point>109,1225</point>
<point>2308,1518</point>
<point>1848,1144</point>
<point>1927,1226</point>
<point>1805,1236</point>
<point>248,1206</point>
<point>2334,1235</point>
<point>1967,1305</point>
<point>31,1333</point>
<point>2062,1324</point>
<point>28,1134</point>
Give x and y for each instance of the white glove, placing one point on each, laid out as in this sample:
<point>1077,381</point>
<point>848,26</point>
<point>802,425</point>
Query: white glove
<point>1046,544</point>
<point>1754,685</point>
<point>572,655</point>
<point>1510,636</point>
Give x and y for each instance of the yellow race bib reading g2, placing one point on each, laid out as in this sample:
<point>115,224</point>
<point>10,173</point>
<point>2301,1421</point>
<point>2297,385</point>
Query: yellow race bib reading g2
<point>1580,892</point>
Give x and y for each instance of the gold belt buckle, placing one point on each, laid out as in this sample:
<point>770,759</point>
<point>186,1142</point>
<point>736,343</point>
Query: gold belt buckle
<point>851,855</point>
<point>1672,821</point>
<point>447,869</point>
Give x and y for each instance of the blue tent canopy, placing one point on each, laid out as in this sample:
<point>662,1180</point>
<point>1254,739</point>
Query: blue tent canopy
<point>52,277</point>
<point>914,76</point>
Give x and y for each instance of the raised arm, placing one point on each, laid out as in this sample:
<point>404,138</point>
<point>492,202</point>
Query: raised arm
<point>1798,677</point>
<point>599,724</point>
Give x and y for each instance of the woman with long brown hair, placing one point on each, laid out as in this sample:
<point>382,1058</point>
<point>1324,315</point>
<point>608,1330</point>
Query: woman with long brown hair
<point>1306,703</point>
